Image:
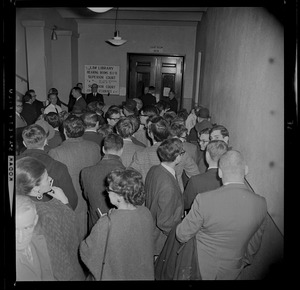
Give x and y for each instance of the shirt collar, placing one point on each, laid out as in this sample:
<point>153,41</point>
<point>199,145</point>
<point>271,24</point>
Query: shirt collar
<point>170,169</point>
<point>212,167</point>
<point>226,183</point>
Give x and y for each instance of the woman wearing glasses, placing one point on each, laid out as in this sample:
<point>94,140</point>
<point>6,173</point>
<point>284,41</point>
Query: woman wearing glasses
<point>120,245</point>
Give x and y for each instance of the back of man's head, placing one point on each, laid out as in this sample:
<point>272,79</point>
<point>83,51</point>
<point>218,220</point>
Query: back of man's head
<point>73,127</point>
<point>124,127</point>
<point>53,119</point>
<point>150,110</point>
<point>177,128</point>
<point>169,149</point>
<point>233,166</point>
<point>113,143</point>
<point>216,149</point>
<point>34,136</point>
<point>90,119</point>
<point>159,127</point>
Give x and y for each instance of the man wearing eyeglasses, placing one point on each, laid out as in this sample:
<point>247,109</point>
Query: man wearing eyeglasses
<point>112,115</point>
<point>203,139</point>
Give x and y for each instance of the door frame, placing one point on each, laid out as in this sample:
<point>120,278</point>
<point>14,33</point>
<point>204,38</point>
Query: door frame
<point>154,54</point>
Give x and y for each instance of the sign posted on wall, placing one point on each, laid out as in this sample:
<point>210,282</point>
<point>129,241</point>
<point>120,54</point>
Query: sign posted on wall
<point>105,76</point>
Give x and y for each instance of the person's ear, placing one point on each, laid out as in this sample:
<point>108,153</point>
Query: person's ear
<point>226,139</point>
<point>103,150</point>
<point>24,144</point>
<point>35,190</point>
<point>207,156</point>
<point>220,173</point>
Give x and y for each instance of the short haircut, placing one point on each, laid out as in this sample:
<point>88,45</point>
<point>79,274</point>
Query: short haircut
<point>135,120</point>
<point>105,129</point>
<point>222,129</point>
<point>30,91</point>
<point>78,89</point>
<point>232,162</point>
<point>90,119</point>
<point>124,127</point>
<point>162,105</point>
<point>74,126</point>
<point>159,127</point>
<point>170,116</point>
<point>151,88</point>
<point>178,128</point>
<point>216,149</point>
<point>29,172</point>
<point>24,204</point>
<point>183,113</point>
<point>34,136</point>
<point>113,142</point>
<point>169,149</point>
<point>150,110</point>
<point>53,119</point>
<point>112,110</point>
<point>127,183</point>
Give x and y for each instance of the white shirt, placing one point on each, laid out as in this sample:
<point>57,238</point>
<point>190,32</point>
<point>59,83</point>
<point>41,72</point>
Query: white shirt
<point>51,108</point>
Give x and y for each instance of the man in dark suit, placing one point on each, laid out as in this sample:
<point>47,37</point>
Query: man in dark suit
<point>38,105</point>
<point>77,153</point>
<point>80,103</point>
<point>28,112</point>
<point>34,136</point>
<point>93,178</point>
<point>208,180</point>
<point>173,102</point>
<point>149,98</point>
<point>94,95</point>
<point>228,222</point>
<point>91,123</point>
<point>164,197</point>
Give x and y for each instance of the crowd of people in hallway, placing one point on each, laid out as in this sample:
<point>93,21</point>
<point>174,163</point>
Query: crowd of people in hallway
<point>99,189</point>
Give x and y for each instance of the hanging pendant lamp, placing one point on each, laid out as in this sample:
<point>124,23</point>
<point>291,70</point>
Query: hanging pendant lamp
<point>54,35</point>
<point>117,39</point>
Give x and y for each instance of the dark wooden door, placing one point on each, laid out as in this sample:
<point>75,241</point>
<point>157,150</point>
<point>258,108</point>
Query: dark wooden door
<point>161,71</point>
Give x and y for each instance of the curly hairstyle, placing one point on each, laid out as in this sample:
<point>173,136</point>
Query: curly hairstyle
<point>127,183</point>
<point>29,173</point>
<point>74,126</point>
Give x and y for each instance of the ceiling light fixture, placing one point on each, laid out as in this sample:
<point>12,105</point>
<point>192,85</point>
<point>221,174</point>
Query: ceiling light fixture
<point>54,35</point>
<point>99,9</point>
<point>117,40</point>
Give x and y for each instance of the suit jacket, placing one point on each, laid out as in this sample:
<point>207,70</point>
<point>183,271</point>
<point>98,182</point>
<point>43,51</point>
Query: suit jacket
<point>80,103</point>
<point>91,98</point>
<point>201,183</point>
<point>78,153</point>
<point>58,171</point>
<point>165,202</point>
<point>141,136</point>
<point>173,105</point>
<point>38,105</point>
<point>93,184</point>
<point>129,148</point>
<point>193,151</point>
<point>56,140</point>
<point>148,99</point>
<point>228,223</point>
<point>143,160</point>
<point>94,137</point>
<point>29,113</point>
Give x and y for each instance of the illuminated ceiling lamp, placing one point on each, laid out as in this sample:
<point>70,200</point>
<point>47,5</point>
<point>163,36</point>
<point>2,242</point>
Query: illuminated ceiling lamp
<point>117,40</point>
<point>99,9</point>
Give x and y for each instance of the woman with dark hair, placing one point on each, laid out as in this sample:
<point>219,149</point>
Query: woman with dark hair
<point>129,253</point>
<point>56,218</point>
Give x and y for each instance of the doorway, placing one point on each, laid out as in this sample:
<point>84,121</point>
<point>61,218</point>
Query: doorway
<point>164,72</point>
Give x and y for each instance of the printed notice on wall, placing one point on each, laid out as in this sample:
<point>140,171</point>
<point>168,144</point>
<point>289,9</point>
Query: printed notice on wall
<point>105,76</point>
